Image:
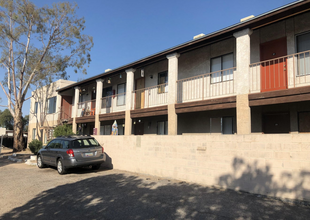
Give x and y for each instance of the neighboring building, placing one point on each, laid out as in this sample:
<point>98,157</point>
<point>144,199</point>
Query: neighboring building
<point>252,77</point>
<point>46,112</point>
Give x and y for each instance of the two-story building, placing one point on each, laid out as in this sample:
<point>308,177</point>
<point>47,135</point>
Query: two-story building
<point>251,77</point>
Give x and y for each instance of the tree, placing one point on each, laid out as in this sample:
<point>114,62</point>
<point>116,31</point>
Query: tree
<point>63,130</point>
<point>37,46</point>
<point>6,120</point>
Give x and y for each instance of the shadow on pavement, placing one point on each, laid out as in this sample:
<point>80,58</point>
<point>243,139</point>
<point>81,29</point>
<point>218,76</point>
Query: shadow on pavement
<point>120,196</point>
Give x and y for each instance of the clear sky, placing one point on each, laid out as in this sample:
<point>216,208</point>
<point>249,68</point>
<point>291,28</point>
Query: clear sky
<point>127,30</point>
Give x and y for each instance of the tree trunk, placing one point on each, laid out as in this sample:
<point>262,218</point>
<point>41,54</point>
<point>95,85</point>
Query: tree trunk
<point>18,132</point>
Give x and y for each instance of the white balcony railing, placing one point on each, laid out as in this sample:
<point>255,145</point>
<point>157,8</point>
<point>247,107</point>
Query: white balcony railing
<point>150,97</point>
<point>113,103</point>
<point>86,108</point>
<point>283,72</point>
<point>210,85</point>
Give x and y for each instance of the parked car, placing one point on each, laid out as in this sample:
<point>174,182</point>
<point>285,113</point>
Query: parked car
<point>72,151</point>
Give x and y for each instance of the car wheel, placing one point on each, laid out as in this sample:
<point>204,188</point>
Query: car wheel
<point>96,167</point>
<point>60,167</point>
<point>40,163</point>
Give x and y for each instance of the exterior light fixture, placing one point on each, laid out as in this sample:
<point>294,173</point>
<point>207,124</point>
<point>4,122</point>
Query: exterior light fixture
<point>120,76</point>
<point>142,72</point>
<point>151,76</point>
<point>109,80</point>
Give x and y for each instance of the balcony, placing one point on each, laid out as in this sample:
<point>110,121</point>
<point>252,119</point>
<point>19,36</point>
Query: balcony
<point>285,72</point>
<point>150,97</point>
<point>86,108</point>
<point>206,86</point>
<point>113,103</point>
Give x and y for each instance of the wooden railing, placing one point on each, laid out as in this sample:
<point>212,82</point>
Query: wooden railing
<point>206,86</point>
<point>150,97</point>
<point>280,73</point>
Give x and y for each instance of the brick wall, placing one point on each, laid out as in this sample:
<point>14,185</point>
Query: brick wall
<point>275,165</point>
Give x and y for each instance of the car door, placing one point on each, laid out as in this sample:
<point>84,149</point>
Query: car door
<point>55,151</point>
<point>46,153</point>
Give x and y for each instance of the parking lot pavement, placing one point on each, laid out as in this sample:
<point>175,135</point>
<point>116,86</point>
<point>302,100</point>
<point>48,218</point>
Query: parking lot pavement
<point>31,193</point>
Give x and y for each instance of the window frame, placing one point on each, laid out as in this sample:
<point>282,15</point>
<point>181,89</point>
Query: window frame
<point>36,105</point>
<point>163,88</point>
<point>305,73</point>
<point>221,79</point>
<point>124,95</point>
<point>49,103</point>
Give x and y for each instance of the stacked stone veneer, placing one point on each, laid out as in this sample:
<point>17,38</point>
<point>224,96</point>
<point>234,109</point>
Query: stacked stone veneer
<point>275,165</point>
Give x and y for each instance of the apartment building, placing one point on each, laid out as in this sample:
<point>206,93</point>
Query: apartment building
<point>45,111</point>
<point>252,77</point>
<point>250,80</point>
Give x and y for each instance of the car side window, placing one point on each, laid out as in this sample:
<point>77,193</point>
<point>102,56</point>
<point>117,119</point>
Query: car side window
<point>58,144</point>
<point>51,144</point>
<point>65,144</point>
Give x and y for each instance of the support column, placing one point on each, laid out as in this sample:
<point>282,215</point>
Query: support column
<point>242,81</point>
<point>130,83</point>
<point>75,108</point>
<point>172,93</point>
<point>58,108</point>
<point>99,87</point>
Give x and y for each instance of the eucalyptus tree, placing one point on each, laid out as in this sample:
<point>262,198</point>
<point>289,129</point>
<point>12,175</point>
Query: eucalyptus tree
<point>37,45</point>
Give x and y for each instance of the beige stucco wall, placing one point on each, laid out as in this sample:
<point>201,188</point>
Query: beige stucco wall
<point>274,165</point>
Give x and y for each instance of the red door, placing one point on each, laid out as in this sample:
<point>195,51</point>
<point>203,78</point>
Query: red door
<point>273,70</point>
<point>66,107</point>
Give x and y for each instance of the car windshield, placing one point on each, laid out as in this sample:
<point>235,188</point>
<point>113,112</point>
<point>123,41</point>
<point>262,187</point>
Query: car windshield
<point>85,143</point>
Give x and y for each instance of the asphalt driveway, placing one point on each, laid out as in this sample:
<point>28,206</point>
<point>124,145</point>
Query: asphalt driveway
<point>31,193</point>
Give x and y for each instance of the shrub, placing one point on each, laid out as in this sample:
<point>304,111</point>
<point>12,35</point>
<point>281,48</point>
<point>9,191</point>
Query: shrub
<point>35,146</point>
<point>63,130</point>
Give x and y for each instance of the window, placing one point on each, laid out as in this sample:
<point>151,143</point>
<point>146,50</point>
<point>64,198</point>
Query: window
<point>303,122</point>
<point>34,131</point>
<point>105,129</point>
<point>121,90</point>
<point>221,68</point>
<point>221,125</point>
<point>162,128</point>
<point>65,144</point>
<point>162,81</point>
<point>52,105</point>
<point>36,107</point>
<point>303,44</point>
<point>107,99</point>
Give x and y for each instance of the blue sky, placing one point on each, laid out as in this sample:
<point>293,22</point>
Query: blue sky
<point>125,31</point>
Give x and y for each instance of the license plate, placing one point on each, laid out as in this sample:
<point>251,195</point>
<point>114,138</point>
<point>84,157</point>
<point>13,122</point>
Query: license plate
<point>88,154</point>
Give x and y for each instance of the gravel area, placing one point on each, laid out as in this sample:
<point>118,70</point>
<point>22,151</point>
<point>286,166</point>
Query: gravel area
<point>31,193</point>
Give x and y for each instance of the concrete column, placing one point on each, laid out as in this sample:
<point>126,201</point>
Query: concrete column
<point>58,108</point>
<point>130,84</point>
<point>242,81</point>
<point>172,93</point>
<point>99,87</point>
<point>75,107</point>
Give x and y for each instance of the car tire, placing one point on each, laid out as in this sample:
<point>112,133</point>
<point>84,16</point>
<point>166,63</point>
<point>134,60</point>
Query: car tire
<point>95,167</point>
<point>60,167</point>
<point>40,163</point>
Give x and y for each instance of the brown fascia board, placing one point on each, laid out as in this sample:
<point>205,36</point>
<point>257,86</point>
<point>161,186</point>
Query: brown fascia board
<point>273,16</point>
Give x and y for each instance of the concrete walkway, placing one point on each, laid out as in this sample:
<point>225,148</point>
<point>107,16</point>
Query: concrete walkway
<point>28,192</point>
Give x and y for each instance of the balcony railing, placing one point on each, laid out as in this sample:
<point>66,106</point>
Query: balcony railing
<point>150,97</point>
<point>113,103</point>
<point>65,113</point>
<point>206,86</point>
<point>86,108</point>
<point>281,73</point>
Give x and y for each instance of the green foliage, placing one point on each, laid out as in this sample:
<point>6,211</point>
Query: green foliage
<point>6,120</point>
<point>26,122</point>
<point>63,130</point>
<point>35,146</point>
<point>37,45</point>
